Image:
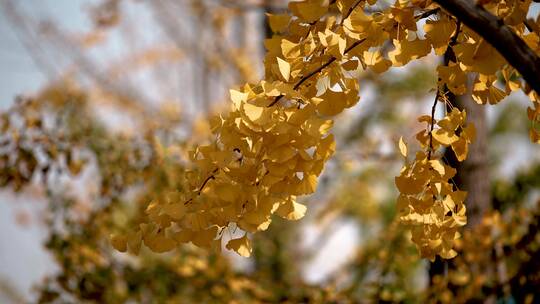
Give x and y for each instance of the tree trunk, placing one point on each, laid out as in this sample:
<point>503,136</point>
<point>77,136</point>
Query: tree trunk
<point>473,173</point>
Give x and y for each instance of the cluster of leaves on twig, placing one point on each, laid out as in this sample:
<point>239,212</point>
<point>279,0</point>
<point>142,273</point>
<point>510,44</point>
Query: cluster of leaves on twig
<point>273,144</point>
<point>267,151</point>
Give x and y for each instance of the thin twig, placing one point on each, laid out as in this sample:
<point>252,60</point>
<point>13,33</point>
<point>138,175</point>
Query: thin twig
<point>427,13</point>
<point>319,69</point>
<point>528,25</point>
<point>205,182</point>
<point>349,12</point>
<point>201,188</point>
<point>452,42</point>
<point>432,124</point>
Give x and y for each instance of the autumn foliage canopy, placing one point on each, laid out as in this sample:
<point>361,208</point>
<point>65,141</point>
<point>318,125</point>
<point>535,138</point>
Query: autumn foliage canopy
<point>262,157</point>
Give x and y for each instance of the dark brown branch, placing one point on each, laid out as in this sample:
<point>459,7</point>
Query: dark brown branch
<point>432,124</point>
<point>201,188</point>
<point>448,53</point>
<point>528,25</point>
<point>349,12</point>
<point>427,14</point>
<point>206,181</point>
<point>204,184</point>
<point>308,76</point>
<point>500,36</point>
<point>318,70</point>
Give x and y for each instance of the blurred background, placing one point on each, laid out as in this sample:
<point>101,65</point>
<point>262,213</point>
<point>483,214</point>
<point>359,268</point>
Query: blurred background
<point>93,92</point>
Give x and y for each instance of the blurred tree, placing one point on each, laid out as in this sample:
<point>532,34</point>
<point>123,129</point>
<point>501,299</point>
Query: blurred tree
<point>150,189</point>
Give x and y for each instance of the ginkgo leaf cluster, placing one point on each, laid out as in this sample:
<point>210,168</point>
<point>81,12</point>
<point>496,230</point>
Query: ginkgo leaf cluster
<point>273,144</point>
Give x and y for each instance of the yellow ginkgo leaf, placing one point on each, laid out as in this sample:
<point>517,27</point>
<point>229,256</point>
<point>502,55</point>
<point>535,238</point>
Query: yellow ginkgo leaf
<point>238,98</point>
<point>376,62</point>
<point>258,220</point>
<point>291,210</point>
<point>449,204</point>
<point>359,21</point>
<point>479,57</point>
<point>308,11</point>
<point>228,193</point>
<point>406,51</point>
<point>183,236</point>
<point>438,32</point>
<point>437,166</point>
<point>281,153</point>
<point>159,243</point>
<point>444,136</point>
<point>297,117</point>
<point>461,149</point>
<point>284,68</point>
<point>175,210</point>
<point>453,77</point>
<point>134,240</point>
<point>448,253</point>
<point>409,185</point>
<point>119,242</point>
<point>402,147</point>
<point>435,243</point>
<point>332,103</point>
<point>404,16</point>
<point>242,246</point>
<point>308,184</point>
<point>290,49</point>
<point>278,23</point>
<point>253,112</point>
<point>469,133</point>
<point>204,238</point>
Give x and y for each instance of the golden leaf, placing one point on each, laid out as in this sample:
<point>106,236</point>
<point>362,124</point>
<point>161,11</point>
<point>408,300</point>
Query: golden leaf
<point>119,242</point>
<point>284,68</point>
<point>242,246</point>
<point>402,147</point>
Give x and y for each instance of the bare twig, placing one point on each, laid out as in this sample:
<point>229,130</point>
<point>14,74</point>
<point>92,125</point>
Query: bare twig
<point>432,124</point>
